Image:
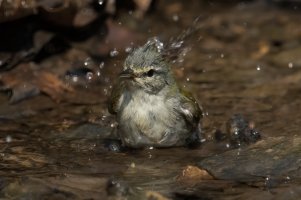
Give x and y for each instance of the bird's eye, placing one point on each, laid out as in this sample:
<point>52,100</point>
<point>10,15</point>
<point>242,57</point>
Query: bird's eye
<point>150,73</point>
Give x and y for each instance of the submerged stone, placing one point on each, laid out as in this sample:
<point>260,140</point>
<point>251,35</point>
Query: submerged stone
<point>272,157</point>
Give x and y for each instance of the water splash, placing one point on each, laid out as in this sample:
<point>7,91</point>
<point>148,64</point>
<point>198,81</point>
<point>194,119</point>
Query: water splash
<point>114,52</point>
<point>158,44</point>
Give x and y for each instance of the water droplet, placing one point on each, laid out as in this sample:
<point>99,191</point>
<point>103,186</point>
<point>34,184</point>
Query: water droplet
<point>290,65</point>
<point>88,62</point>
<point>128,49</point>
<point>222,55</point>
<point>133,165</point>
<point>112,125</point>
<point>114,52</point>
<point>89,76</point>
<point>100,2</point>
<point>151,148</point>
<point>228,145</point>
<point>105,91</point>
<point>130,12</point>
<point>75,79</point>
<point>101,65</point>
<point>187,79</point>
<point>8,139</point>
<point>157,42</point>
<point>175,17</point>
<point>258,68</point>
<point>203,140</point>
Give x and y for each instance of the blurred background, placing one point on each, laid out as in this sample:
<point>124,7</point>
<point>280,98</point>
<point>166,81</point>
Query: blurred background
<point>59,60</point>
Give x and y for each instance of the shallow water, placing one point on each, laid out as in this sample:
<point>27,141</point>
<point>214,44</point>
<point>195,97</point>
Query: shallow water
<point>244,59</point>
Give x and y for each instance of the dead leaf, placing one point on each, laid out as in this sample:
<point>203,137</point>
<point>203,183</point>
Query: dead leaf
<point>194,173</point>
<point>263,49</point>
<point>152,195</point>
<point>27,80</point>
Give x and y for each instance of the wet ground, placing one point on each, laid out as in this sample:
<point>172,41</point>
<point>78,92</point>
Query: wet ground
<point>245,58</point>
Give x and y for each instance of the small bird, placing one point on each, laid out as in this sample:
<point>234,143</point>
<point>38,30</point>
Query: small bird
<point>151,110</point>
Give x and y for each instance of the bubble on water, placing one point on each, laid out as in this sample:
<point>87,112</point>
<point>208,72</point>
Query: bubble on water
<point>258,68</point>
<point>89,76</point>
<point>235,131</point>
<point>101,65</point>
<point>187,79</point>
<point>112,125</point>
<point>8,139</point>
<point>88,62</point>
<point>100,2</point>
<point>290,65</point>
<point>114,52</point>
<point>267,181</point>
<point>105,91</point>
<point>75,78</point>
<point>228,145</point>
<point>175,17</point>
<point>222,55</point>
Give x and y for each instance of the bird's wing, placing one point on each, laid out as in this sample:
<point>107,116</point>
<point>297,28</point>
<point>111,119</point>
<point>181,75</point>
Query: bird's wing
<point>116,94</point>
<point>190,108</point>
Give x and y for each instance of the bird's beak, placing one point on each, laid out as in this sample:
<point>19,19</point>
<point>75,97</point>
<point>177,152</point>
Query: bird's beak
<point>127,74</point>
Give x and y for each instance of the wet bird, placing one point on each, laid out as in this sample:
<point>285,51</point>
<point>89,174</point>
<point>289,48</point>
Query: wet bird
<point>151,109</point>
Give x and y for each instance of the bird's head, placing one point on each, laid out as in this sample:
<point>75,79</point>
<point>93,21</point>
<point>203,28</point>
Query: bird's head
<point>145,68</point>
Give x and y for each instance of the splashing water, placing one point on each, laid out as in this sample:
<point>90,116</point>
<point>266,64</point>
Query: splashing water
<point>114,52</point>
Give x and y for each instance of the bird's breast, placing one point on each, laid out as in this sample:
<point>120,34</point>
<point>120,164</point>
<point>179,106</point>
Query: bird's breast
<point>151,115</point>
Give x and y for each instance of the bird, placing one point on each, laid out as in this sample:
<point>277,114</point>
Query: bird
<point>151,109</point>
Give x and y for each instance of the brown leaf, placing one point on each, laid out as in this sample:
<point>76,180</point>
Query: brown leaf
<point>27,80</point>
<point>194,173</point>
